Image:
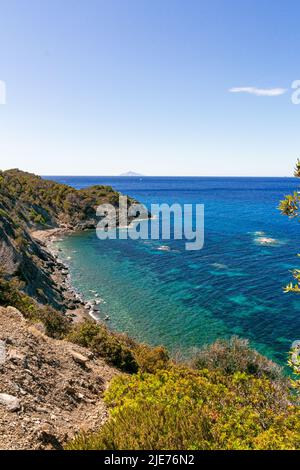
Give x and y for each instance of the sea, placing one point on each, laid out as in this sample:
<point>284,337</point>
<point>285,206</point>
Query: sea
<point>186,299</point>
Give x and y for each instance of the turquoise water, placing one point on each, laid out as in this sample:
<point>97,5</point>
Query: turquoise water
<point>184,299</point>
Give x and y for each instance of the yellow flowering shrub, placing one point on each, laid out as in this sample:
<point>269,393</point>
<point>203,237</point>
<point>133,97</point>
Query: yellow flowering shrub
<point>181,408</point>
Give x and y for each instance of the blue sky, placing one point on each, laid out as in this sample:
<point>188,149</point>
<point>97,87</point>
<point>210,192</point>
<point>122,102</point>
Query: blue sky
<point>106,86</point>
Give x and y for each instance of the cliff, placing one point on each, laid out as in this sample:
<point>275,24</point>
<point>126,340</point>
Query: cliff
<point>28,203</point>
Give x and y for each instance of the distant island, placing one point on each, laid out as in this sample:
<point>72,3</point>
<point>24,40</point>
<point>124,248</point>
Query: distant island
<point>131,173</point>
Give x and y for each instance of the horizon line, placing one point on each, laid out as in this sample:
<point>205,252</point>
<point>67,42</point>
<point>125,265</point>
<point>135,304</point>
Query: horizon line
<point>167,176</point>
<point>44,175</point>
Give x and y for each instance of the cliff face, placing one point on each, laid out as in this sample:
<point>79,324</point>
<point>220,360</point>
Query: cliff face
<point>27,203</point>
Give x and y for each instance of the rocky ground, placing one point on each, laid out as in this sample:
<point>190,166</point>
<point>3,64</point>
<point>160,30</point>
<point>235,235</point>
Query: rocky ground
<point>49,389</point>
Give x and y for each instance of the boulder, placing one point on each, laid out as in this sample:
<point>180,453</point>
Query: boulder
<point>10,402</point>
<point>79,358</point>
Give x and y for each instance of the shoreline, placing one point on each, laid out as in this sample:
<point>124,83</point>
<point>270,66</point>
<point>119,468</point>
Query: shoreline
<point>76,308</point>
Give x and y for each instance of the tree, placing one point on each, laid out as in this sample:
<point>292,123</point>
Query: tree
<point>290,206</point>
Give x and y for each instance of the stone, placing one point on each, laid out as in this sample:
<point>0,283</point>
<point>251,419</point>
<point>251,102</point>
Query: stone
<point>15,356</point>
<point>13,314</point>
<point>71,305</point>
<point>2,352</point>
<point>79,358</point>
<point>12,403</point>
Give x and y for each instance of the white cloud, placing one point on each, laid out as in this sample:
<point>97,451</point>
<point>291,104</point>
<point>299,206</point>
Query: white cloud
<point>259,91</point>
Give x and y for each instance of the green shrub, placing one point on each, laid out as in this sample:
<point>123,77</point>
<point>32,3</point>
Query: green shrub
<point>39,219</point>
<point>105,344</point>
<point>36,217</point>
<point>151,359</point>
<point>4,214</point>
<point>56,324</point>
<point>183,409</point>
<point>235,355</point>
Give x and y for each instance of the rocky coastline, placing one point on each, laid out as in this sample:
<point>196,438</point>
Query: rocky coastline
<point>73,303</point>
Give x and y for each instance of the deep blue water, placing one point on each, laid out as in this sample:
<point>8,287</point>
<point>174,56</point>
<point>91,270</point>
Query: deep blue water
<point>184,298</point>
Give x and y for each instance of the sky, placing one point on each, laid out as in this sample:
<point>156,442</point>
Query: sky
<point>160,87</point>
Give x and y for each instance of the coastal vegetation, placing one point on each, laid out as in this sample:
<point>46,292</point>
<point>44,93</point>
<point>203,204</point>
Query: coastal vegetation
<point>290,206</point>
<point>104,344</point>
<point>235,355</point>
<point>55,323</point>
<point>181,408</point>
<point>118,349</point>
<point>27,199</point>
<point>227,396</point>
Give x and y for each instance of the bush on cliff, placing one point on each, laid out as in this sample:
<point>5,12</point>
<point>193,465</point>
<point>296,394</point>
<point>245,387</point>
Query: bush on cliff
<point>151,359</point>
<point>181,408</point>
<point>119,350</point>
<point>235,355</point>
<point>55,323</point>
<point>105,344</point>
